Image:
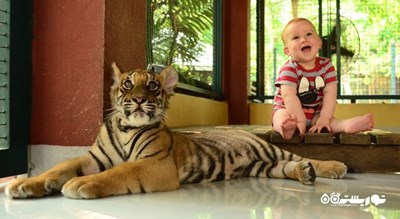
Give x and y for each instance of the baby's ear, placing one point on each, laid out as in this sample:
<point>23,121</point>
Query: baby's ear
<point>286,51</point>
<point>170,79</point>
<point>320,42</point>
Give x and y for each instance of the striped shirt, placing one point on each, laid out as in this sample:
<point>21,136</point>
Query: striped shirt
<point>291,73</point>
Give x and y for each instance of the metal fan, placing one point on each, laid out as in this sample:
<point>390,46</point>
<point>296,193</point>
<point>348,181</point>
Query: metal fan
<point>349,41</point>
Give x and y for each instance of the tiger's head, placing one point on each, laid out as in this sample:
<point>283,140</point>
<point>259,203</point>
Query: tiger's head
<point>140,97</point>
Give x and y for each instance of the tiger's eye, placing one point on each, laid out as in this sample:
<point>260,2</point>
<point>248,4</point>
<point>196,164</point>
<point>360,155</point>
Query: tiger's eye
<point>153,85</point>
<point>127,84</point>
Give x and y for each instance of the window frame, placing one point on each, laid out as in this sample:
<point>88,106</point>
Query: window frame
<point>14,160</point>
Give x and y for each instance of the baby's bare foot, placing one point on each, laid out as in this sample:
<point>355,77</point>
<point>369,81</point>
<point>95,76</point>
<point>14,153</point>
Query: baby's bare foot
<point>289,127</point>
<point>361,123</point>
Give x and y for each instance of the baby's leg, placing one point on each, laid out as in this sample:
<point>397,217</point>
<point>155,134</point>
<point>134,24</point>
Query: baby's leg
<point>284,123</point>
<point>353,125</point>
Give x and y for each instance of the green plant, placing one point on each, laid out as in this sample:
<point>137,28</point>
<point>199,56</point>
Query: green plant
<point>180,30</point>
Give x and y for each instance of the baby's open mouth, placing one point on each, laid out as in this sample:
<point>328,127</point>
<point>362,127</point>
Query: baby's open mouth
<point>305,48</point>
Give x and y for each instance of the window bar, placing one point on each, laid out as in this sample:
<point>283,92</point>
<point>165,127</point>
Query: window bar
<point>338,51</point>
<point>4,88</point>
<point>260,81</point>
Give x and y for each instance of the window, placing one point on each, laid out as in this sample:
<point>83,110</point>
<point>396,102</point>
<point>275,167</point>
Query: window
<point>187,35</point>
<point>14,85</point>
<point>365,53</point>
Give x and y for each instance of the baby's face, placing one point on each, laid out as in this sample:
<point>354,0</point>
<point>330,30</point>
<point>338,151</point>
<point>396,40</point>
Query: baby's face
<point>302,42</point>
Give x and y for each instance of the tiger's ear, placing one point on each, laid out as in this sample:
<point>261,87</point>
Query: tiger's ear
<point>117,72</point>
<point>116,76</point>
<point>116,81</point>
<point>170,79</point>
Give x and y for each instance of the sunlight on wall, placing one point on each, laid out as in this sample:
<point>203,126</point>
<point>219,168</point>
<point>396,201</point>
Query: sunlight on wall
<point>188,111</point>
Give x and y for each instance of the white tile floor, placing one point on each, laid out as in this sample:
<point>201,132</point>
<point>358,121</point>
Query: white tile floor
<point>251,198</point>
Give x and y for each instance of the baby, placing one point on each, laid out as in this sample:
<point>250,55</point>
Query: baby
<point>307,86</point>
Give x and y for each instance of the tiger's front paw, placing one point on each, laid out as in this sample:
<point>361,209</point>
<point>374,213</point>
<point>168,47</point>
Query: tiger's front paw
<point>331,169</point>
<point>85,187</point>
<point>33,187</point>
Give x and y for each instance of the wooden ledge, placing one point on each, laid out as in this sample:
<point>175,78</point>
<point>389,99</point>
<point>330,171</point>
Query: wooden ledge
<point>367,138</point>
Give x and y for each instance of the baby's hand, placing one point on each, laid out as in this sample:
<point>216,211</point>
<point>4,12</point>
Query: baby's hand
<point>322,122</point>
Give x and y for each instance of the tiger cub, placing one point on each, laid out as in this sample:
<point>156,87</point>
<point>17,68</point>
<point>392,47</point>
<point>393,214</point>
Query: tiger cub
<point>135,152</point>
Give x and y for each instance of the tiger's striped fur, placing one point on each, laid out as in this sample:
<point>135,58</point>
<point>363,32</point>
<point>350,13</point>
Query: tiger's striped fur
<point>135,152</point>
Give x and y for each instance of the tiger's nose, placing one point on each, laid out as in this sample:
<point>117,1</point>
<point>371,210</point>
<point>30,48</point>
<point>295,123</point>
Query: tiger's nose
<point>138,99</point>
